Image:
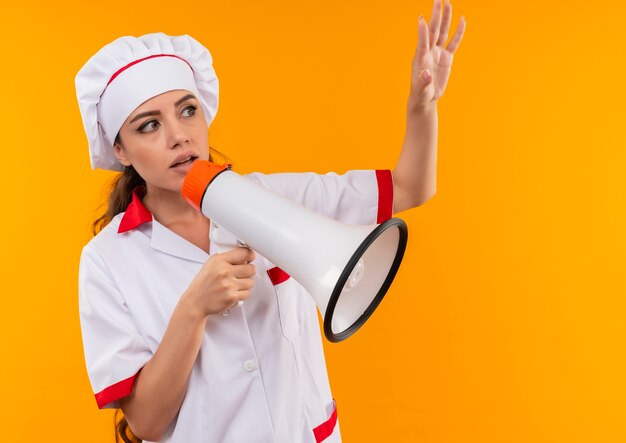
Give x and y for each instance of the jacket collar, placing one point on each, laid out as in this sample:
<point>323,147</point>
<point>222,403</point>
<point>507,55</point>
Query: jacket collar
<point>161,238</point>
<point>136,213</point>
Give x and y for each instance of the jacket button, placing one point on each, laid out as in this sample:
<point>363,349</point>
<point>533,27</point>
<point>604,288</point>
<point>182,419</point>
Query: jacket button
<point>249,365</point>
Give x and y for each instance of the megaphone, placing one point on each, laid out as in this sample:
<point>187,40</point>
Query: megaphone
<point>347,269</point>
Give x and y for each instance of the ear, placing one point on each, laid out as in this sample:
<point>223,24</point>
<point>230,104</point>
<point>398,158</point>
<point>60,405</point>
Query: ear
<point>120,154</point>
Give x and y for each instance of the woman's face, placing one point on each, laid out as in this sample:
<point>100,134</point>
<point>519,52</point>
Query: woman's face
<point>161,135</point>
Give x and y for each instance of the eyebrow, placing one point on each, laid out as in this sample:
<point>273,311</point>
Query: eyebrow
<point>149,113</point>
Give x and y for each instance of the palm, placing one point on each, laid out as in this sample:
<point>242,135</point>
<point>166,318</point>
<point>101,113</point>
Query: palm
<point>431,55</point>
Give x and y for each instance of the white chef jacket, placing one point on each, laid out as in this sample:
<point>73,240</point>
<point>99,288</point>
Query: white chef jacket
<point>260,374</point>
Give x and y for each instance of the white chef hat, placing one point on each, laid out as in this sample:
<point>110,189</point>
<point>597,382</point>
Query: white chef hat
<point>130,70</point>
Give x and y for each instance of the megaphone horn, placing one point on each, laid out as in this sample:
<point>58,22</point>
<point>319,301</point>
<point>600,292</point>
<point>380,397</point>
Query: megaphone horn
<point>347,269</point>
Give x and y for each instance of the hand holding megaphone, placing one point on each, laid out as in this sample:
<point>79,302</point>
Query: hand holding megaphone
<point>223,240</point>
<point>347,269</point>
<point>223,282</point>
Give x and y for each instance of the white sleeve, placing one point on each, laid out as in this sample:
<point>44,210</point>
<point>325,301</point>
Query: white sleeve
<point>115,351</point>
<point>354,197</point>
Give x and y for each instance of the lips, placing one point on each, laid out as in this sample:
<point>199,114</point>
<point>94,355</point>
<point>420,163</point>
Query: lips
<point>184,158</point>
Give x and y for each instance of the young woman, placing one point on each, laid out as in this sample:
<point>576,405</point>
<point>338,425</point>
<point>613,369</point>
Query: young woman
<point>165,339</point>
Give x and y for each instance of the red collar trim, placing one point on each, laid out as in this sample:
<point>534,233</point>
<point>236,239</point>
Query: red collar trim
<point>136,213</point>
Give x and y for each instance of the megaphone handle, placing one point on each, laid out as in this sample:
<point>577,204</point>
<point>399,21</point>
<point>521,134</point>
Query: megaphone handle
<point>221,236</point>
<point>224,238</point>
<point>242,245</point>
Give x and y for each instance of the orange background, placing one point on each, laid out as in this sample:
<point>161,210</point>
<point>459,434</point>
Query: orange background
<point>506,320</point>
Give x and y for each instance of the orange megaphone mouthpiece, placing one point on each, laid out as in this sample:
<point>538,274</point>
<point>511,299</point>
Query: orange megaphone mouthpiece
<point>198,179</point>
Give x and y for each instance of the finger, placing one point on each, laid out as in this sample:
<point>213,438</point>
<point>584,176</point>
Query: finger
<point>244,284</point>
<point>456,38</point>
<point>445,24</point>
<point>238,256</point>
<point>252,255</point>
<point>246,270</point>
<point>422,42</point>
<point>243,295</point>
<point>435,23</point>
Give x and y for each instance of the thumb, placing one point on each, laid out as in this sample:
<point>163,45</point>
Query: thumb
<point>425,78</point>
<point>420,83</point>
<point>238,255</point>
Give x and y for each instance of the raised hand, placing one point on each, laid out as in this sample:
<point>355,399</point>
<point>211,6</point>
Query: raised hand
<point>432,61</point>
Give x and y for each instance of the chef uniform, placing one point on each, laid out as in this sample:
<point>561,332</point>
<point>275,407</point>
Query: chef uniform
<point>260,373</point>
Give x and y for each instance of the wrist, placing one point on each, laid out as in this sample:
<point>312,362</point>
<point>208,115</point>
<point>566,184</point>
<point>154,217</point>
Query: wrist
<point>413,107</point>
<point>190,310</point>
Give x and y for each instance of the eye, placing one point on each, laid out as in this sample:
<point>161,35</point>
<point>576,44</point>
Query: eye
<point>151,124</point>
<point>189,110</point>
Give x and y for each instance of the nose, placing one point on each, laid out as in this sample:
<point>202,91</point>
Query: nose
<point>177,135</point>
